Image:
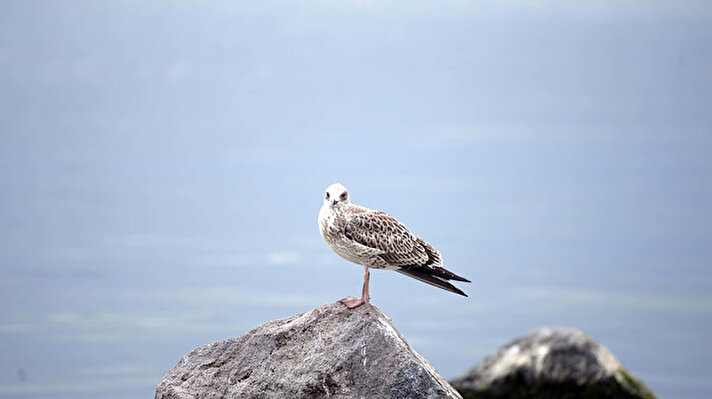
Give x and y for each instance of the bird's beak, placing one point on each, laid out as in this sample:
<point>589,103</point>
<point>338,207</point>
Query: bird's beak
<point>334,202</point>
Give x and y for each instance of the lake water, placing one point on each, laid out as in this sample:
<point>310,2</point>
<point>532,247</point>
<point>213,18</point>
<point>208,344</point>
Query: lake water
<point>163,165</point>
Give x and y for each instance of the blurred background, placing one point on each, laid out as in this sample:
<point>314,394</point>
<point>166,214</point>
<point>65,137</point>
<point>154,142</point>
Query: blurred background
<point>163,164</point>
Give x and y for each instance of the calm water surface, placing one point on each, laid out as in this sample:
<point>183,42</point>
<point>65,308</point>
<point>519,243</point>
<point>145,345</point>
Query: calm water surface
<point>162,167</point>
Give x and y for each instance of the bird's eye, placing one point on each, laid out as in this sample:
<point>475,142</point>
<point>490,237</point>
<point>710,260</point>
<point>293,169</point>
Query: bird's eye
<point>343,195</point>
<point>327,195</point>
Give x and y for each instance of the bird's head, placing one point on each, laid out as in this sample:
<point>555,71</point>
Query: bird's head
<point>336,196</point>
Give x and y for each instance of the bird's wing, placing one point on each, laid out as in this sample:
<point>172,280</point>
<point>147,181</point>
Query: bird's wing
<point>409,253</point>
<point>378,230</point>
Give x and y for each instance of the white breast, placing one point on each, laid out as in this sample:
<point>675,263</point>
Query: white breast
<point>331,224</point>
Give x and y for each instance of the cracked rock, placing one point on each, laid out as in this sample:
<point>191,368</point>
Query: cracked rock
<point>329,352</point>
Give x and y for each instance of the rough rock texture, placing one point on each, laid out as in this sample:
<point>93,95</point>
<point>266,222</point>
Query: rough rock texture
<point>551,363</point>
<point>329,352</point>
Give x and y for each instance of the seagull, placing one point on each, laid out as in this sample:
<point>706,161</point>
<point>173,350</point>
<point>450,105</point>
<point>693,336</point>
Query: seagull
<point>374,239</point>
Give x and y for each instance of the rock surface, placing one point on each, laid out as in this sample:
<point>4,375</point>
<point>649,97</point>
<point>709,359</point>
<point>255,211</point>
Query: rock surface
<point>329,352</point>
<point>551,363</point>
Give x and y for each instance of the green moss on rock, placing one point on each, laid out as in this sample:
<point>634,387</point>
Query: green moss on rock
<point>621,386</point>
<point>632,385</point>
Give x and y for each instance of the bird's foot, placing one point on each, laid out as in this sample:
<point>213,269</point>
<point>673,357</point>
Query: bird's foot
<point>351,302</point>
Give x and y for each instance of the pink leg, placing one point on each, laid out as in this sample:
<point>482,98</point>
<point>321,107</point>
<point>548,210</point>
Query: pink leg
<point>352,302</point>
<point>364,291</point>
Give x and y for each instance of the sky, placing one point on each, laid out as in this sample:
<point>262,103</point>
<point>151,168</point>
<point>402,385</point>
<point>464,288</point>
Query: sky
<point>162,165</point>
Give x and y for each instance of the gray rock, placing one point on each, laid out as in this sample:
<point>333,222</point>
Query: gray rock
<point>551,363</point>
<point>329,352</point>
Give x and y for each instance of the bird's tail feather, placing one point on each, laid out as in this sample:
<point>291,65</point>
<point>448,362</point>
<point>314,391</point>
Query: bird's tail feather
<point>434,277</point>
<point>448,275</point>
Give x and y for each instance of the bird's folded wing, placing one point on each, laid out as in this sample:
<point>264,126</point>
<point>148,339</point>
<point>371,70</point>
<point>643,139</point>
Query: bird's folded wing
<point>381,231</point>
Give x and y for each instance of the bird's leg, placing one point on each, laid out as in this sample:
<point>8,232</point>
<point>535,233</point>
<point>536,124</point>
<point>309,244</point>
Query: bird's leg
<point>364,291</point>
<point>352,302</point>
